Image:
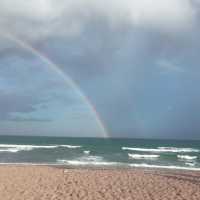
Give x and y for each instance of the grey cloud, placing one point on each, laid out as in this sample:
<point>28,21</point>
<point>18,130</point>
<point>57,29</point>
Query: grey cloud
<point>28,119</point>
<point>11,104</point>
<point>35,20</point>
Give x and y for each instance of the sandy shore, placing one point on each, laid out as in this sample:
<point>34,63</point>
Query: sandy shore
<point>43,182</point>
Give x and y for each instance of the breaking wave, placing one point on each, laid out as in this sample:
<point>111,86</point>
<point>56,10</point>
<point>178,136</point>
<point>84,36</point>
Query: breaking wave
<point>88,161</point>
<point>144,165</point>
<point>86,152</point>
<point>186,157</point>
<point>70,146</point>
<point>191,164</point>
<point>161,149</point>
<point>13,148</point>
<point>176,150</point>
<point>140,156</point>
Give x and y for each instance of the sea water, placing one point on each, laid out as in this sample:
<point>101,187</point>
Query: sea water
<point>99,152</point>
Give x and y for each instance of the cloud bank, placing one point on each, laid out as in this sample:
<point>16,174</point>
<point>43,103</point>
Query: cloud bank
<point>37,20</point>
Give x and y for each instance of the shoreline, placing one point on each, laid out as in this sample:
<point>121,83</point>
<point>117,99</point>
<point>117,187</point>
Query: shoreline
<point>98,167</point>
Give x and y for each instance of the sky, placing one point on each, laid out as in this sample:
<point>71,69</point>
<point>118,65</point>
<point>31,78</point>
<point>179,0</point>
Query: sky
<point>130,67</point>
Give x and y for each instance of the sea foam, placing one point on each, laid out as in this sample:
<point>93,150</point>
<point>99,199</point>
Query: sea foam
<point>140,156</point>
<point>176,150</point>
<point>86,152</point>
<point>186,157</point>
<point>144,165</point>
<point>12,150</point>
<point>17,147</point>
<point>161,149</point>
<point>70,146</point>
<point>82,163</point>
<point>191,164</point>
<point>87,160</point>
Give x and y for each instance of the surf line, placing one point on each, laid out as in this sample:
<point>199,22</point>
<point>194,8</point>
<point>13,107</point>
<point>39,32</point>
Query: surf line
<point>68,80</point>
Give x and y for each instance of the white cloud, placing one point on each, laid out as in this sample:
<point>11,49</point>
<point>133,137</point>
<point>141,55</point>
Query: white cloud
<point>157,13</point>
<point>168,66</point>
<point>38,19</point>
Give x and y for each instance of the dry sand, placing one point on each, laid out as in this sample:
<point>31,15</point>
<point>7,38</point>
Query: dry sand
<point>42,182</point>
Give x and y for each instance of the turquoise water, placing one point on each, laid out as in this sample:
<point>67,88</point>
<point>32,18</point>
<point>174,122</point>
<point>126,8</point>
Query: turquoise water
<point>100,152</point>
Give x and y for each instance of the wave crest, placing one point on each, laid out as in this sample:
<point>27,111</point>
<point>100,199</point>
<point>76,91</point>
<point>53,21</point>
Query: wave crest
<point>144,165</point>
<point>86,152</point>
<point>13,148</point>
<point>140,156</point>
<point>88,161</point>
<point>186,157</point>
<point>161,149</point>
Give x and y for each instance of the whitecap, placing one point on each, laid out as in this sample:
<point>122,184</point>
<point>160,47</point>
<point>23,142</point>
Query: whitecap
<point>12,150</point>
<point>191,164</point>
<point>161,149</point>
<point>186,157</point>
<point>18,147</point>
<point>86,152</point>
<point>70,146</point>
<point>87,160</point>
<point>174,167</point>
<point>142,156</point>
<point>176,150</point>
<point>85,163</point>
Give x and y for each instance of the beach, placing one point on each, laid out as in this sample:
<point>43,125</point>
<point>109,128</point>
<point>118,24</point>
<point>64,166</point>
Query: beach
<point>58,183</point>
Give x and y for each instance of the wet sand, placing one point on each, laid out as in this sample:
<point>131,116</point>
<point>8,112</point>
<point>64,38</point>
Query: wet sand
<point>51,183</point>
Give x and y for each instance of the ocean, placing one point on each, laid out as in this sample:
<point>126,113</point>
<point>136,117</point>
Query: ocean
<point>97,152</point>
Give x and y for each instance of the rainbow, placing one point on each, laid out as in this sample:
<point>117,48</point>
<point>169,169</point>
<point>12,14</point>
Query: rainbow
<point>66,78</point>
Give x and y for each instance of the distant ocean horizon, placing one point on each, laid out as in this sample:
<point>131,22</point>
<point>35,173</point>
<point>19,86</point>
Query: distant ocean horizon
<point>101,152</point>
